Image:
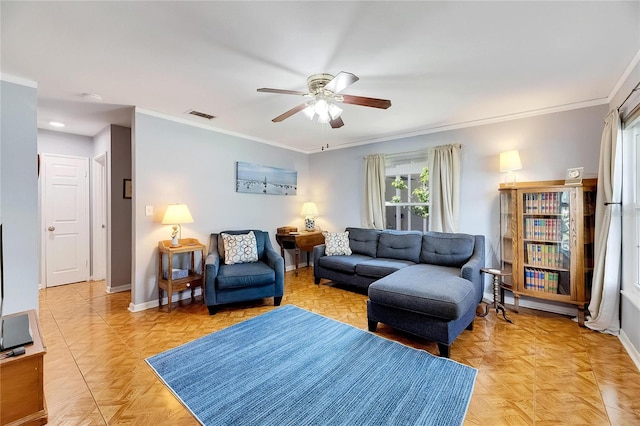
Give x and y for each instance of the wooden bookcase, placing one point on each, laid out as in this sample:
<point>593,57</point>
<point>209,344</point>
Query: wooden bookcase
<point>546,241</point>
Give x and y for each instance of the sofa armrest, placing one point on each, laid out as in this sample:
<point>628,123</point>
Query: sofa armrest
<point>276,262</point>
<point>211,267</point>
<point>318,252</point>
<point>471,270</point>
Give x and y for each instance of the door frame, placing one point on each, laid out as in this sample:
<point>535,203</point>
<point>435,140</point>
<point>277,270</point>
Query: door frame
<point>42,161</point>
<point>99,173</point>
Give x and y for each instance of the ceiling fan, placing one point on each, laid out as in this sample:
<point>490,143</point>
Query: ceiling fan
<point>324,91</point>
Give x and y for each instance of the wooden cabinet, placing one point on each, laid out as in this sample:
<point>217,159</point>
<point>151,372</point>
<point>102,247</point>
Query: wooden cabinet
<point>546,241</point>
<point>172,279</point>
<point>22,398</point>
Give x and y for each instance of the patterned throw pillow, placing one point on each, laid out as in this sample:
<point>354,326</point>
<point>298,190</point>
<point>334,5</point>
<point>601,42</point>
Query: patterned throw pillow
<point>240,248</point>
<point>336,243</point>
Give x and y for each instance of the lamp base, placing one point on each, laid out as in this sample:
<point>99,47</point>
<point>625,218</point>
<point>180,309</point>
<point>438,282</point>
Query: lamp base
<point>309,224</point>
<point>510,179</point>
<point>175,242</point>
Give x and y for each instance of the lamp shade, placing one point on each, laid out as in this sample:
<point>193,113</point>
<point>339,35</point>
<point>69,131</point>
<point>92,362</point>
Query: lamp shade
<point>177,214</point>
<point>309,209</point>
<point>510,161</point>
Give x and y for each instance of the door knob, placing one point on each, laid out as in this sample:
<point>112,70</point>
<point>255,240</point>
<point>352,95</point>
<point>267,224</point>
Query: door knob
<point>52,228</point>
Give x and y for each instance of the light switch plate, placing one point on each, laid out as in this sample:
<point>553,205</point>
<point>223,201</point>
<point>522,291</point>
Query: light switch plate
<point>148,210</point>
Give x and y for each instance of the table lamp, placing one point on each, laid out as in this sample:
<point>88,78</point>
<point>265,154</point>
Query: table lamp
<point>176,215</point>
<point>310,211</point>
<point>510,161</point>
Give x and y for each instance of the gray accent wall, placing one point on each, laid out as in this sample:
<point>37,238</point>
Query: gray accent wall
<point>19,195</point>
<point>121,208</point>
<point>180,163</point>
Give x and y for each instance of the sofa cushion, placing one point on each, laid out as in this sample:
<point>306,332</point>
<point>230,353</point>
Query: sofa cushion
<point>260,241</point>
<point>404,245</point>
<point>436,291</point>
<point>363,241</point>
<point>240,248</point>
<point>336,243</point>
<point>245,275</point>
<point>344,264</point>
<point>381,267</point>
<point>446,249</point>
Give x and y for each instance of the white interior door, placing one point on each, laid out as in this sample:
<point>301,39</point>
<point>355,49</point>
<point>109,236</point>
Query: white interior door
<point>99,200</point>
<point>66,218</point>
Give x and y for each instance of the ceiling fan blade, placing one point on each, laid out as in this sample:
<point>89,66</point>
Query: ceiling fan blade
<point>341,82</point>
<point>282,92</point>
<point>368,102</point>
<point>336,123</point>
<point>289,113</point>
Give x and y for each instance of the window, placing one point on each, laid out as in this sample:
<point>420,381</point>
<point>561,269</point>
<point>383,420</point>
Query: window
<point>631,213</point>
<point>407,192</point>
<point>634,168</point>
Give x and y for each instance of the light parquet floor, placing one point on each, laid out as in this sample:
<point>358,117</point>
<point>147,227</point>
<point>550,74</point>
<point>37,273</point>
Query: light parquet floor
<point>541,370</point>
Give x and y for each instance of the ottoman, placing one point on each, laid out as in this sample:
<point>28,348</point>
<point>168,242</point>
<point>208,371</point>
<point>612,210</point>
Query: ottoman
<point>430,301</point>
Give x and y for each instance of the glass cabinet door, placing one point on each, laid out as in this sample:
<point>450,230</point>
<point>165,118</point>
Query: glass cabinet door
<point>507,232</point>
<point>547,251</point>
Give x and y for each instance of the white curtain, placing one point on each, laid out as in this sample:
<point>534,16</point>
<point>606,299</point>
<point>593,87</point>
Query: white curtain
<point>605,291</point>
<point>374,187</point>
<point>444,188</point>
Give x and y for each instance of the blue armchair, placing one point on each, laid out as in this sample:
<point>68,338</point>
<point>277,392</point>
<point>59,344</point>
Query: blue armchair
<point>243,281</point>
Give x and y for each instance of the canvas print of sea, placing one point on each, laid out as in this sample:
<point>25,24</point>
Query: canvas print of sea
<point>256,179</point>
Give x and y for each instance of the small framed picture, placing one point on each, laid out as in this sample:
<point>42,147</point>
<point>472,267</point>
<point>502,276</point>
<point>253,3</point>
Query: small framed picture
<point>127,189</point>
<point>574,176</point>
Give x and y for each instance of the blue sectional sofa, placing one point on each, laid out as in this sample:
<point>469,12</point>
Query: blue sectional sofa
<point>428,284</point>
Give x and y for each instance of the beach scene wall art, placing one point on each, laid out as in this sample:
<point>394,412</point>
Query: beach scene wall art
<point>257,179</point>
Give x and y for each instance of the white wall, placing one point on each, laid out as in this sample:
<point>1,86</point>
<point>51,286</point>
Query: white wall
<point>60,143</point>
<point>19,195</point>
<point>548,145</point>
<point>175,162</point>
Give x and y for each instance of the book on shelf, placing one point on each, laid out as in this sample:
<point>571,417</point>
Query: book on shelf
<point>542,203</point>
<point>541,280</point>
<point>548,255</point>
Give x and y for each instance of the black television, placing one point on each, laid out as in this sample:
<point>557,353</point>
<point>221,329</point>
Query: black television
<point>14,330</point>
<point>1,273</point>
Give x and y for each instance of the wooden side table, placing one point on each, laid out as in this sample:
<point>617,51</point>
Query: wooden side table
<point>193,279</point>
<point>497,292</point>
<point>22,399</point>
<point>298,241</point>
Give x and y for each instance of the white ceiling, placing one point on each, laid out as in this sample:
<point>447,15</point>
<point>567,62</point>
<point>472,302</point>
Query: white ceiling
<point>442,64</point>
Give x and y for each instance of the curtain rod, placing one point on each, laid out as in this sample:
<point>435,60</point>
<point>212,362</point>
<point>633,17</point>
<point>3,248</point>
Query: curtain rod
<point>629,95</point>
<point>417,152</point>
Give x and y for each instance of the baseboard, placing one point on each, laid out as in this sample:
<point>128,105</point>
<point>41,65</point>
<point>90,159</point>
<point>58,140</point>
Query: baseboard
<point>119,288</point>
<point>631,350</point>
<point>534,304</point>
<point>154,303</point>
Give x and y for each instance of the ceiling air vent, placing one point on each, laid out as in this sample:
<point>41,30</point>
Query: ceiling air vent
<point>201,114</point>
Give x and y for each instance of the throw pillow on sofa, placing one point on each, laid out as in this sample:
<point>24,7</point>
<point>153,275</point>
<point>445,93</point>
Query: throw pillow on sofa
<point>241,248</point>
<point>336,243</point>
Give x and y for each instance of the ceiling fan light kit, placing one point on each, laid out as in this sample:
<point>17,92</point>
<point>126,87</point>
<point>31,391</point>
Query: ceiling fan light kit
<point>324,89</point>
<point>323,109</point>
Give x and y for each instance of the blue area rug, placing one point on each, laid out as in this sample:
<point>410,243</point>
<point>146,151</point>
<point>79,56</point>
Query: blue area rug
<point>293,367</point>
